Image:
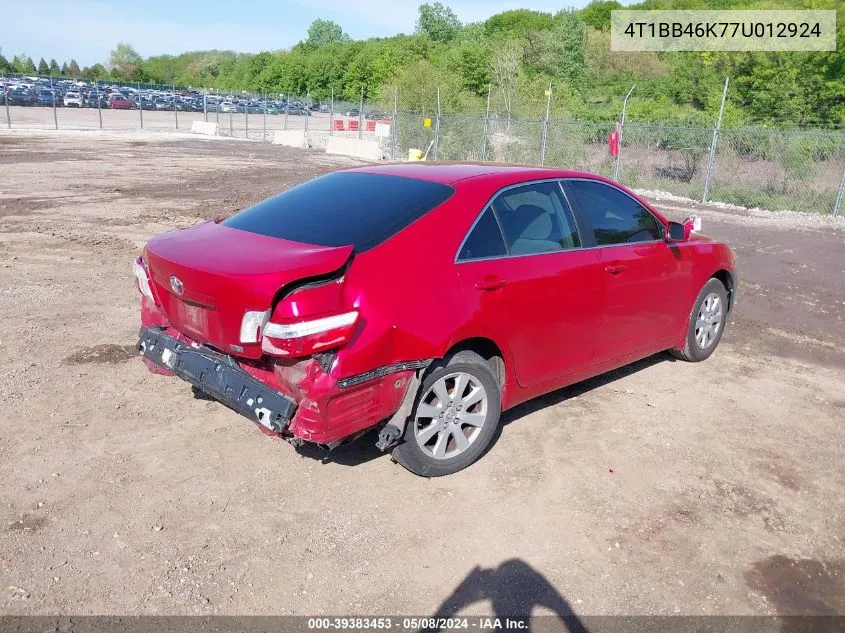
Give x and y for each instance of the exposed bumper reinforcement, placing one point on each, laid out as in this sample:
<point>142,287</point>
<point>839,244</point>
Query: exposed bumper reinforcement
<point>219,376</point>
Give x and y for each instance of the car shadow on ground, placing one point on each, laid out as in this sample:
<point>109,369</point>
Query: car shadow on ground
<point>363,449</point>
<point>514,589</point>
<point>580,388</point>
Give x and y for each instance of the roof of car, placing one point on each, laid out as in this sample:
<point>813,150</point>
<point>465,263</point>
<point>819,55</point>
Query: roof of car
<point>451,173</point>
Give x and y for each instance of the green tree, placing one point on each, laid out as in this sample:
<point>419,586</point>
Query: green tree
<point>473,64</point>
<point>23,65</point>
<point>505,65</point>
<point>124,61</point>
<point>4,64</point>
<point>597,13</point>
<point>516,23</point>
<point>73,69</point>
<point>97,71</point>
<point>437,21</point>
<point>64,70</point>
<point>43,68</point>
<point>54,67</point>
<point>325,32</point>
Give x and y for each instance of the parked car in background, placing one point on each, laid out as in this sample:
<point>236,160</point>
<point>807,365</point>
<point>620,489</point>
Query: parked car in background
<point>145,103</point>
<point>164,103</point>
<point>94,99</point>
<point>313,318</point>
<point>21,97</point>
<point>47,98</point>
<point>228,106</point>
<point>184,104</point>
<point>118,101</point>
<point>353,112</point>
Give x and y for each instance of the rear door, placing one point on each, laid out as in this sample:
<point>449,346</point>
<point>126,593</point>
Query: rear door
<point>536,289</point>
<point>644,278</point>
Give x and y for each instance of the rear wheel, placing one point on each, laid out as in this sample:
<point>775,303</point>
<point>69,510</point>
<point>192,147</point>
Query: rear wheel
<point>455,418</point>
<point>706,323</point>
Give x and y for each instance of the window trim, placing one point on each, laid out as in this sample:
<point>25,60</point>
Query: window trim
<point>588,225</point>
<point>489,205</point>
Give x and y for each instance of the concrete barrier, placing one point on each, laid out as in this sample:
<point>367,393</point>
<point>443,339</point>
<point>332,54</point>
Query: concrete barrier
<point>358,148</point>
<point>291,138</point>
<point>204,127</point>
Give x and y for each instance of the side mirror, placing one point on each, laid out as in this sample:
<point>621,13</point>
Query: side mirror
<point>678,232</point>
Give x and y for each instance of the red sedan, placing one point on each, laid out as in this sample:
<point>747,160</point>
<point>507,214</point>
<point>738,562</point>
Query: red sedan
<point>425,299</point>
<point>119,102</point>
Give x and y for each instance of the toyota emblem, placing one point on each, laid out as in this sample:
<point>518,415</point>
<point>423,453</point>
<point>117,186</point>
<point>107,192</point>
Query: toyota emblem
<point>176,285</point>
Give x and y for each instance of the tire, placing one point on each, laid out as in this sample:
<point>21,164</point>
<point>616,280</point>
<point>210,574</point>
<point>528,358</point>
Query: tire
<point>706,323</point>
<point>432,431</point>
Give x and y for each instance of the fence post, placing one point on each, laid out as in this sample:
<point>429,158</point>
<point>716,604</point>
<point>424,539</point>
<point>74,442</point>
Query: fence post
<point>546,125</point>
<point>175,109</point>
<point>205,104</point>
<point>55,116</point>
<point>99,108</point>
<point>621,129</point>
<point>437,125</point>
<point>140,103</point>
<point>331,114</point>
<point>264,124</point>
<point>839,195</point>
<point>307,109</point>
<point>712,157</point>
<point>287,105</point>
<point>6,100</point>
<point>361,115</point>
<point>393,123</point>
<point>486,125</point>
<point>246,120</point>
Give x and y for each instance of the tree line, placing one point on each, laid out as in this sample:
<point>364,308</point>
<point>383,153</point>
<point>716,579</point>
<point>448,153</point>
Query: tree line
<point>513,57</point>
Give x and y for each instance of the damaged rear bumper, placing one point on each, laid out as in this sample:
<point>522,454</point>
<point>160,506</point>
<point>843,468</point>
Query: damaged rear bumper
<point>219,376</point>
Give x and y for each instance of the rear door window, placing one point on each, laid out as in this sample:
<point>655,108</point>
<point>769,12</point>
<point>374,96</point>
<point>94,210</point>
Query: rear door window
<point>343,208</point>
<point>536,219</point>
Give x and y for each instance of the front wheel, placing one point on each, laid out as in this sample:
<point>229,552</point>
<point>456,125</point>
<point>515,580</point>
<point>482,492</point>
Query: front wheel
<point>455,418</point>
<point>706,323</point>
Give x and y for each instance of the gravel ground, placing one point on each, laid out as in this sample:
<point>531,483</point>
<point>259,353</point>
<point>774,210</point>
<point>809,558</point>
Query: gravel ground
<point>662,488</point>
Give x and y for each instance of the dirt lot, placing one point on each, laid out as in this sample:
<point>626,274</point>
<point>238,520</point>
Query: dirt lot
<point>664,488</point>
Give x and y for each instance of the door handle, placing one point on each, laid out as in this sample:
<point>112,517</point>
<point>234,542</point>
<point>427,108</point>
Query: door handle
<point>491,283</point>
<point>615,269</point>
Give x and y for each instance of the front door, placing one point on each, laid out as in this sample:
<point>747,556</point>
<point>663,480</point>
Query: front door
<point>644,291</point>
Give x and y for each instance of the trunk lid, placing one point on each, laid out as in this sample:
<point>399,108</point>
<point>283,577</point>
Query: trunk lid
<point>223,272</point>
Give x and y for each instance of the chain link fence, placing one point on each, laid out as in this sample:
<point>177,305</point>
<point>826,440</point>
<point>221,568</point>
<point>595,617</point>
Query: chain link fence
<point>751,166</point>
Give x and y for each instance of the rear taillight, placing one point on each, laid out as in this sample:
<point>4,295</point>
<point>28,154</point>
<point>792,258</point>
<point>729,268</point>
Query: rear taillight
<point>303,338</point>
<point>142,278</point>
<point>252,324</point>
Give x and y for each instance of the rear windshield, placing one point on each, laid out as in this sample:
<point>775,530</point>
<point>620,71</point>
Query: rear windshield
<point>340,209</point>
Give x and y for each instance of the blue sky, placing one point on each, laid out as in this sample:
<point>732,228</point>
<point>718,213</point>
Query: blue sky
<point>89,29</point>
